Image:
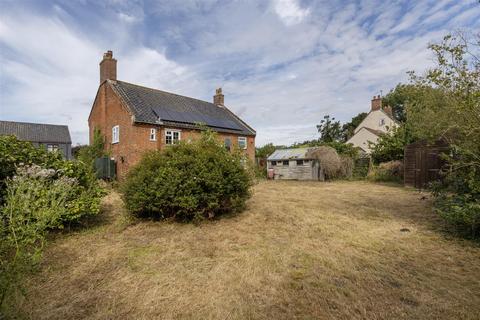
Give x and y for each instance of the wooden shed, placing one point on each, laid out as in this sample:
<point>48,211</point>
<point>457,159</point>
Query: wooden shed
<point>423,162</point>
<point>294,164</point>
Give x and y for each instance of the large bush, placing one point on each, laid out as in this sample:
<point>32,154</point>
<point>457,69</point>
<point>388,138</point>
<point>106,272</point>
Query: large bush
<point>188,181</point>
<point>39,191</point>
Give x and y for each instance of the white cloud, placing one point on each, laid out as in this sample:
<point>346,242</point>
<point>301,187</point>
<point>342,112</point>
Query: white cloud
<point>52,72</point>
<point>290,11</point>
<point>280,73</point>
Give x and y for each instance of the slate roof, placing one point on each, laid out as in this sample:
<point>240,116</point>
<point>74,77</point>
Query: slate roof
<point>286,154</point>
<point>159,107</point>
<point>36,132</point>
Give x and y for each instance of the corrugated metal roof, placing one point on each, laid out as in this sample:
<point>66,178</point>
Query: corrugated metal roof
<point>160,107</point>
<point>36,132</point>
<point>285,154</point>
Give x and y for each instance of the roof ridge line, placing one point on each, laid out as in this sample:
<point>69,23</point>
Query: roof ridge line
<point>36,123</point>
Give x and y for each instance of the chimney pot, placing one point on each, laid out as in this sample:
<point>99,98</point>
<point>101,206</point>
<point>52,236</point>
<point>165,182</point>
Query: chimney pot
<point>108,67</point>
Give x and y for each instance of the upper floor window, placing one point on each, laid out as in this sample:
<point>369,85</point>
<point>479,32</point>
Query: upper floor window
<point>172,136</point>
<point>382,122</point>
<point>242,143</point>
<point>153,134</point>
<point>116,134</point>
<point>52,147</point>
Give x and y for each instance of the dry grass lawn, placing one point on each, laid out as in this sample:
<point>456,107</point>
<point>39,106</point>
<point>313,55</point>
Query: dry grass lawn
<point>301,250</point>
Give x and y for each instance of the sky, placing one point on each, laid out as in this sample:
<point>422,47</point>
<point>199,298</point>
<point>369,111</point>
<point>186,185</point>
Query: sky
<point>282,64</point>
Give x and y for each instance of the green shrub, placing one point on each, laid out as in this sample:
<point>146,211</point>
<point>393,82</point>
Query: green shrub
<point>391,171</point>
<point>188,181</point>
<point>14,152</point>
<point>49,193</point>
<point>34,203</point>
<point>88,153</point>
<point>457,197</point>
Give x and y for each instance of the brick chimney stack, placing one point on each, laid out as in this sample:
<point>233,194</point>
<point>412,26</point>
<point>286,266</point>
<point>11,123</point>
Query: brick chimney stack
<point>108,67</point>
<point>219,98</point>
<point>376,103</point>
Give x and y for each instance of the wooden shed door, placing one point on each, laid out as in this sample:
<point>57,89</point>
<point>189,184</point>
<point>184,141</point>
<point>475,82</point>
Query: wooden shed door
<point>420,166</point>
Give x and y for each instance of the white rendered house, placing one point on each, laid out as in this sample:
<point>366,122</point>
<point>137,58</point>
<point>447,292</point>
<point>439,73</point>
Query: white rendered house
<point>378,121</point>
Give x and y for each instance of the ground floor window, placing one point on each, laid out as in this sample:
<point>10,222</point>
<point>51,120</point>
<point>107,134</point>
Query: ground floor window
<point>285,162</point>
<point>172,136</point>
<point>299,162</point>
<point>52,147</point>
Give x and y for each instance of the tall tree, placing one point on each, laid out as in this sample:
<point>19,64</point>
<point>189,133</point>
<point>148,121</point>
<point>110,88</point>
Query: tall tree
<point>329,129</point>
<point>398,98</point>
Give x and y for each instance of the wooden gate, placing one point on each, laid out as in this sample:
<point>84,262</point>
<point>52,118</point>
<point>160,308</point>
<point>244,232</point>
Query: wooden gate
<point>423,162</point>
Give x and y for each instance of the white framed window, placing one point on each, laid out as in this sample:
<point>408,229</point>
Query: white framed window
<point>172,136</point>
<point>153,134</point>
<point>242,143</point>
<point>116,134</point>
<point>52,147</point>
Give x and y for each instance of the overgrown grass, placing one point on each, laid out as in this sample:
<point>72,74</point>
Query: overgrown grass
<point>305,250</point>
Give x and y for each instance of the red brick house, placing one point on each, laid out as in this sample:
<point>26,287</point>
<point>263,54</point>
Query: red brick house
<point>135,119</point>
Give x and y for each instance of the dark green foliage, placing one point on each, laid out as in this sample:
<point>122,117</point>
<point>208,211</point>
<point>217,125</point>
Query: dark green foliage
<point>391,146</point>
<point>329,129</point>
<point>266,150</point>
<point>41,191</point>
<point>88,154</point>
<point>398,98</point>
<point>349,127</point>
<point>449,108</point>
<point>457,198</point>
<point>188,181</point>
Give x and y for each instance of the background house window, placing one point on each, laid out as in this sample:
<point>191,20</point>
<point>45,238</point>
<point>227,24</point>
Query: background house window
<point>228,143</point>
<point>52,147</point>
<point>172,137</point>
<point>153,134</point>
<point>242,143</point>
<point>285,162</point>
<point>274,163</point>
<point>116,134</point>
<point>299,162</point>
<point>382,122</point>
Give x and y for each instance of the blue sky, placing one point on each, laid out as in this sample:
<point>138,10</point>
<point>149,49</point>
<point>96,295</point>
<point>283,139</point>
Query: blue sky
<point>283,64</point>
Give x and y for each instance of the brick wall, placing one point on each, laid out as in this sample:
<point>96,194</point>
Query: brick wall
<point>108,111</point>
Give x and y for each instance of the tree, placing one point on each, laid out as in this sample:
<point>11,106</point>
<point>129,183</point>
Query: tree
<point>349,127</point>
<point>266,150</point>
<point>390,146</point>
<point>398,98</point>
<point>451,111</point>
<point>329,129</point>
